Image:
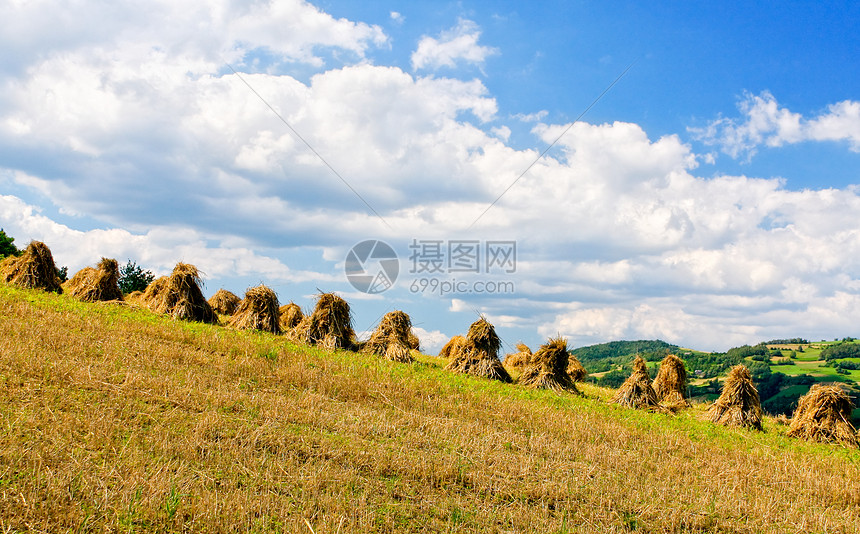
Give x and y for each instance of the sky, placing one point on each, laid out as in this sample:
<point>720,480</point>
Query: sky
<point>684,171</point>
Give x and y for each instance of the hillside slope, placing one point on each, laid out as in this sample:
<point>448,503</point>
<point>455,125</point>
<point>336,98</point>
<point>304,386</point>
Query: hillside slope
<point>115,419</point>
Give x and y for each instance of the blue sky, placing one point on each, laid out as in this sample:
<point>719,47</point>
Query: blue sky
<point>708,199</point>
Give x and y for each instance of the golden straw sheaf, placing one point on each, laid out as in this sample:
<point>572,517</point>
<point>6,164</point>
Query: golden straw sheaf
<point>259,310</point>
<point>391,338</point>
<point>179,296</point>
<point>96,284</point>
<point>518,360</point>
<point>479,353</point>
<point>738,404</point>
<point>636,391</point>
<point>547,368</point>
<point>224,302</point>
<point>329,326</point>
<point>824,415</point>
<point>670,385</point>
<point>34,269</point>
<point>291,316</point>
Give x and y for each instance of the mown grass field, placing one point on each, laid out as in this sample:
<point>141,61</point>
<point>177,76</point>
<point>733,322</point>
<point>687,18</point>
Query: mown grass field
<point>117,420</point>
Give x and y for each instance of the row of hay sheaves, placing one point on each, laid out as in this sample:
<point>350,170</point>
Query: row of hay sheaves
<point>823,414</point>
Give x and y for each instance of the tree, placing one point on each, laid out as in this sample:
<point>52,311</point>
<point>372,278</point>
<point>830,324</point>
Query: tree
<point>132,277</point>
<point>6,246</point>
<point>63,273</point>
<point>842,350</point>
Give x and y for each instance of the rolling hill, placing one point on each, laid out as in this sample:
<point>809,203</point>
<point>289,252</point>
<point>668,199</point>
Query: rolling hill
<point>117,419</point>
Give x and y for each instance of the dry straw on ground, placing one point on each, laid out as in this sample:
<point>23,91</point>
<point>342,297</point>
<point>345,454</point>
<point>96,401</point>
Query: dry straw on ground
<point>452,347</point>
<point>739,403</point>
<point>824,414</point>
<point>670,385</point>
<point>479,354</point>
<point>547,368</point>
<point>179,295</point>
<point>329,326</point>
<point>636,391</point>
<point>34,269</point>
<point>519,359</point>
<point>258,311</point>
<point>113,422</point>
<point>391,338</point>
<point>291,316</point>
<point>95,284</point>
<point>224,302</point>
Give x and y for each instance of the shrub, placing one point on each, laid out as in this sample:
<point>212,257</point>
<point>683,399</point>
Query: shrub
<point>6,246</point>
<point>132,277</point>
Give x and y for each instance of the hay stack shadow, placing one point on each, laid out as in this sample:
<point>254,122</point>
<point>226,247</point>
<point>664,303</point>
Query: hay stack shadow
<point>34,269</point>
<point>224,302</point>
<point>738,404</point>
<point>547,368</point>
<point>391,338</point>
<point>479,353</point>
<point>824,415</point>
<point>179,296</point>
<point>258,311</point>
<point>670,385</point>
<point>636,391</point>
<point>291,316</point>
<point>96,284</point>
<point>329,326</point>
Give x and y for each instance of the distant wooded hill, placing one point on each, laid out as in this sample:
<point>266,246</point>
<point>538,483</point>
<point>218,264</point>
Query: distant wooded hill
<point>615,349</point>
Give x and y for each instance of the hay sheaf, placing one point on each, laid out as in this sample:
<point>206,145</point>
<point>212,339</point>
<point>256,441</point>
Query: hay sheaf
<point>258,311</point>
<point>738,404</point>
<point>96,284</point>
<point>670,385</point>
<point>452,347</point>
<point>414,342</point>
<point>391,338</point>
<point>34,269</point>
<point>291,316</point>
<point>519,359</point>
<point>547,368</point>
<point>224,302</point>
<point>824,415</point>
<point>179,296</point>
<point>575,368</point>
<point>636,391</point>
<point>329,326</point>
<point>479,354</point>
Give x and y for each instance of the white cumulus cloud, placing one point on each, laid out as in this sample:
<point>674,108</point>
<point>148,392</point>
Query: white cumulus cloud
<point>765,123</point>
<point>140,129</point>
<point>457,45</point>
